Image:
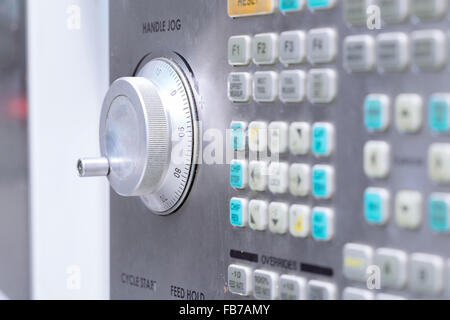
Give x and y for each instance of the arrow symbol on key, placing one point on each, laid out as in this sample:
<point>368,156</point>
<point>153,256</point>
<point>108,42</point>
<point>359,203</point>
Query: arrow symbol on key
<point>275,221</point>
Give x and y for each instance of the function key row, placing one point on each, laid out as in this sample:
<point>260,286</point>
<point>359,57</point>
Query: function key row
<point>424,50</point>
<point>290,86</point>
<point>290,47</point>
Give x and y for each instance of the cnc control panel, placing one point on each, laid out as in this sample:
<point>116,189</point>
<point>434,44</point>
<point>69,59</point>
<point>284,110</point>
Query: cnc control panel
<point>291,149</point>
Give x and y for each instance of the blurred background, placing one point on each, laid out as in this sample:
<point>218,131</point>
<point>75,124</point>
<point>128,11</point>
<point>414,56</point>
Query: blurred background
<point>53,75</point>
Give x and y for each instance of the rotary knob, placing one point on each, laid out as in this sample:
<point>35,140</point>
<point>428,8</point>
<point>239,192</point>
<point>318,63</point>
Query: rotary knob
<point>148,134</point>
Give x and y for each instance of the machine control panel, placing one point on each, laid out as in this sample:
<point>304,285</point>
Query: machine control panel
<point>319,167</point>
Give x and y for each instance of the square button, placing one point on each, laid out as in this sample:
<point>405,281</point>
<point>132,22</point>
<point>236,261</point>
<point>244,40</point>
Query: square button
<point>278,217</point>
<point>376,206</point>
<point>321,4</point>
<point>439,112</point>
<point>357,294</point>
<point>265,86</point>
<point>278,177</point>
<point>359,53</point>
<point>322,224</point>
<point>292,86</point>
<point>292,287</point>
<point>377,157</point>
<point>429,9</point>
<point>322,181</point>
<point>357,258</point>
<point>320,290</point>
<point>239,86</point>
<point>408,209</point>
<point>238,135</point>
<point>265,48</point>
<point>321,85</point>
<point>257,136</point>
<point>322,143</point>
<point>322,45</point>
<point>299,221</point>
<point>238,174</point>
<point>394,11</point>
<point>240,279</point>
<point>393,267</point>
<point>257,215</point>
<point>355,11</point>
<point>257,175</point>
<point>278,137</point>
<point>291,5</point>
<point>239,50</point>
<point>426,274</point>
<point>429,49</point>
<point>238,212</point>
<point>439,212</point>
<point>392,51</point>
<point>265,285</point>
<point>439,163</point>
<point>408,113</point>
<point>292,47</point>
<point>299,138</point>
<point>299,179</point>
<point>376,112</point>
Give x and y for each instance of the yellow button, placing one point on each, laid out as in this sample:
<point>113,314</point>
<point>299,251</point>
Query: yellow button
<point>239,8</point>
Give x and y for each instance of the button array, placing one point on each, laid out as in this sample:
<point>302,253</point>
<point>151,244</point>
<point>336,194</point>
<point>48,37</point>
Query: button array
<point>421,273</point>
<point>269,285</point>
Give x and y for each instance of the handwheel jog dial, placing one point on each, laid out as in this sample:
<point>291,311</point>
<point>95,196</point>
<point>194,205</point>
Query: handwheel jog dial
<point>148,136</point>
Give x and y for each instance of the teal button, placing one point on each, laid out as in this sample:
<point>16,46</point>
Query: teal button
<point>318,4</point>
<point>373,207</point>
<point>319,183</point>
<point>438,215</point>
<point>236,218</point>
<point>319,225</point>
<point>237,138</point>
<point>373,114</point>
<point>290,5</point>
<point>319,141</point>
<point>438,114</point>
<point>236,174</point>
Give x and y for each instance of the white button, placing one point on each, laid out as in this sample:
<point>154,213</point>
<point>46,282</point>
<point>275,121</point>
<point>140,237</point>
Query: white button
<point>240,280</point>
<point>322,45</point>
<point>257,215</point>
<point>299,137</point>
<point>426,273</point>
<point>408,209</point>
<point>357,294</point>
<point>265,86</point>
<point>257,136</point>
<point>320,290</point>
<point>278,177</point>
<point>299,220</point>
<point>392,264</point>
<point>408,113</point>
<point>257,179</point>
<point>322,224</point>
<point>439,162</point>
<point>321,85</point>
<point>394,11</point>
<point>265,285</point>
<point>392,51</point>
<point>357,258</point>
<point>299,179</point>
<point>239,86</point>
<point>376,206</point>
<point>429,49</point>
<point>429,9</point>
<point>386,296</point>
<point>292,47</point>
<point>278,137</point>
<point>322,139</point>
<point>377,159</point>
<point>265,48</point>
<point>278,217</point>
<point>292,288</point>
<point>359,53</point>
<point>355,11</point>
<point>292,86</point>
<point>239,50</point>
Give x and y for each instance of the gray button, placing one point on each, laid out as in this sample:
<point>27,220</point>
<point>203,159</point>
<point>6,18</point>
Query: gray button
<point>292,86</point>
<point>239,86</point>
<point>429,49</point>
<point>292,288</point>
<point>429,9</point>
<point>320,290</point>
<point>265,48</point>
<point>392,51</point>
<point>322,45</point>
<point>359,53</point>
<point>355,11</point>
<point>239,50</point>
<point>239,279</point>
<point>321,85</point>
<point>357,294</point>
<point>292,47</point>
<point>426,273</point>
<point>265,285</point>
<point>392,264</point>
<point>265,86</point>
<point>394,10</point>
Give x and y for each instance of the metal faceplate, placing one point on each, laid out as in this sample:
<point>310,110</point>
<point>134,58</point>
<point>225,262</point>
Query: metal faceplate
<point>186,254</point>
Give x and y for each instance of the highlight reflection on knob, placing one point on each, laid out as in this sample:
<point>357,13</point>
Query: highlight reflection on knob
<point>93,167</point>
